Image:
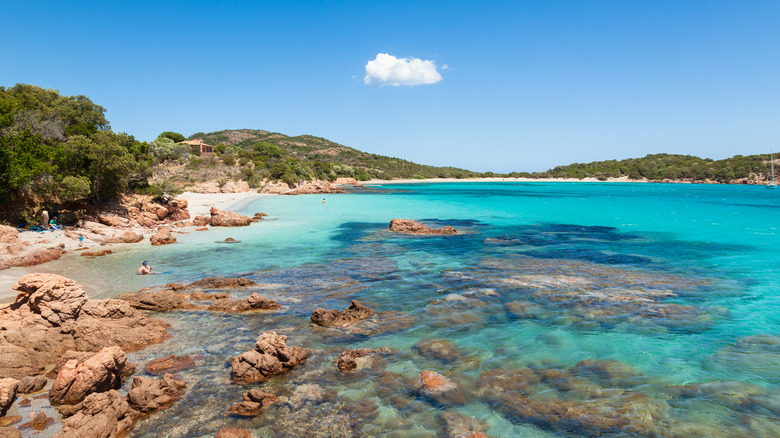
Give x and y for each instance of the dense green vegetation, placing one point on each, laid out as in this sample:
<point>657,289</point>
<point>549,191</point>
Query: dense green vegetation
<point>660,167</point>
<point>62,147</point>
<point>291,159</point>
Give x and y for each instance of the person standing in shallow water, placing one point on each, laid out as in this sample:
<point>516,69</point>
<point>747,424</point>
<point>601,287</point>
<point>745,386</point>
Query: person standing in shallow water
<point>323,201</point>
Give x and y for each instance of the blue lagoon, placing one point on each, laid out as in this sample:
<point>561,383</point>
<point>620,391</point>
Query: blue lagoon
<point>560,309</point>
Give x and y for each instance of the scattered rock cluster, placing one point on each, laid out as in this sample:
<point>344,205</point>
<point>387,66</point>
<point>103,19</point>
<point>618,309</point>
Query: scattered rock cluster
<point>13,253</point>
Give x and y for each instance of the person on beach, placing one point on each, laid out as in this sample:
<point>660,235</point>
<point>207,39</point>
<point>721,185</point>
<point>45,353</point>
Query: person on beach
<point>145,268</point>
<point>53,223</point>
<point>45,220</point>
<point>81,240</point>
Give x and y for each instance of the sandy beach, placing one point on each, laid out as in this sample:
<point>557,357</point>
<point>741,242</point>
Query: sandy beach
<point>198,204</point>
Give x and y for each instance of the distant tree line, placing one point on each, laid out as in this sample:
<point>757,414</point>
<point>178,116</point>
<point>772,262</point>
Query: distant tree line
<point>661,167</point>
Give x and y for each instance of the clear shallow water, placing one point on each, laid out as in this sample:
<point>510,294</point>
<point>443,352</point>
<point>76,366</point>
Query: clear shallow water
<point>664,285</point>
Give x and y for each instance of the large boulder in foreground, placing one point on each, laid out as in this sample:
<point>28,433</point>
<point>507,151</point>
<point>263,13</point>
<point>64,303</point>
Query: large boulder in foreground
<point>271,356</point>
<point>52,314</point>
<point>104,414</point>
<point>341,318</point>
<point>100,373</point>
<point>412,227</point>
<point>8,387</point>
<point>221,218</point>
<point>55,298</point>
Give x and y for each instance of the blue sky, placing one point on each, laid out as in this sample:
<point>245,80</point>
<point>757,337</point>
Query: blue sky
<point>521,86</point>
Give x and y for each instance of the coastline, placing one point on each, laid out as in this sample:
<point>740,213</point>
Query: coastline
<point>498,179</point>
<point>69,265</point>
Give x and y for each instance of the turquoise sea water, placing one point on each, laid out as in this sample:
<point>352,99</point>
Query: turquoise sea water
<point>574,309</point>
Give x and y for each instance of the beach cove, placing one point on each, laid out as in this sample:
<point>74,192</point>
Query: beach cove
<point>560,309</point>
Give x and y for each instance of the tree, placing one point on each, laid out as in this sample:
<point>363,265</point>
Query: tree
<point>175,136</point>
<point>103,160</point>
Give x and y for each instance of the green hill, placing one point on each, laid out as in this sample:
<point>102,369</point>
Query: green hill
<point>307,156</point>
<point>668,167</point>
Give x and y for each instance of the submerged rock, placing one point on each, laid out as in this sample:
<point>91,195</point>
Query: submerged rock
<point>169,364</point>
<point>438,389</point>
<point>233,433</point>
<point>439,349</point>
<point>270,356</point>
<point>456,425</point>
<point>96,253</point>
<point>557,399</point>
<point>341,318</point>
<point>39,422</point>
<point>412,227</point>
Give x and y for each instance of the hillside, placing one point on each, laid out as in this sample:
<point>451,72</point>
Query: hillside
<point>310,156</point>
<point>752,169</point>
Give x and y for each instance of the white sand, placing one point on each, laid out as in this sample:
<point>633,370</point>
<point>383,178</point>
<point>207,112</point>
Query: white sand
<point>201,203</point>
<point>198,204</point>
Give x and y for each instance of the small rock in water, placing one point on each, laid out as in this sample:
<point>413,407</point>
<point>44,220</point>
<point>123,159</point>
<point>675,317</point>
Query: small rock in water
<point>169,364</point>
<point>40,422</point>
<point>341,318</point>
<point>409,226</point>
<point>270,356</point>
<point>439,389</point>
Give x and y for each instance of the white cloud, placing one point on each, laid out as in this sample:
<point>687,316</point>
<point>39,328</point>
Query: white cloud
<point>386,69</point>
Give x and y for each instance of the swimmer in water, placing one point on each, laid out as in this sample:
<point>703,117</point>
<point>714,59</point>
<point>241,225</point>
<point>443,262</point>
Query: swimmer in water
<point>145,268</point>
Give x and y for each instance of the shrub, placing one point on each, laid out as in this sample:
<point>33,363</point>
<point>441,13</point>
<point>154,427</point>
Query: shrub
<point>75,187</point>
<point>229,159</point>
